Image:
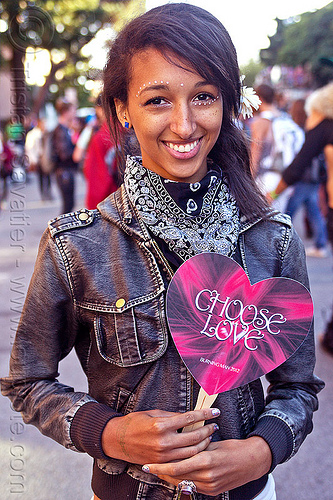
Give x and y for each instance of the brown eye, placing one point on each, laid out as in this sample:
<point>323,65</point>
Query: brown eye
<point>156,101</point>
<point>204,97</point>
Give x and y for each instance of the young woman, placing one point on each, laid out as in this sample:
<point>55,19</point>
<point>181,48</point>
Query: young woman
<point>101,278</point>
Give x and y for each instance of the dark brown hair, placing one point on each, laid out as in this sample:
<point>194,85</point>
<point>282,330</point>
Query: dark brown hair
<point>266,93</point>
<point>297,112</point>
<point>62,105</point>
<point>196,37</point>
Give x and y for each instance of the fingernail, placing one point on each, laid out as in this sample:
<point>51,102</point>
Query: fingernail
<point>145,468</point>
<point>215,412</point>
<point>216,427</point>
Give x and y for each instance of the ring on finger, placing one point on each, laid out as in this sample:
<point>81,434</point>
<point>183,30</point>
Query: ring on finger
<point>186,487</point>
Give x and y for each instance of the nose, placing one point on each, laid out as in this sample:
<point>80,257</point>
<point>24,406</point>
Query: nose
<point>182,121</point>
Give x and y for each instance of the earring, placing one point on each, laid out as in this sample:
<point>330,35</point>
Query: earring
<point>126,124</point>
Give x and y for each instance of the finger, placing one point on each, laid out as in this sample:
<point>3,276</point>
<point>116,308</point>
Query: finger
<point>178,446</point>
<point>161,413</point>
<point>174,481</point>
<point>190,451</point>
<point>189,468</point>
<point>195,436</point>
<point>191,417</point>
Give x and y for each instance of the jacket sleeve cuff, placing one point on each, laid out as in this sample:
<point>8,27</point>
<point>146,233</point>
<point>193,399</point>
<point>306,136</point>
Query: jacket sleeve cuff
<point>278,436</point>
<point>87,427</point>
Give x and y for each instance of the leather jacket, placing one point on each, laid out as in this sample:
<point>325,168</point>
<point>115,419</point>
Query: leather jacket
<point>99,286</point>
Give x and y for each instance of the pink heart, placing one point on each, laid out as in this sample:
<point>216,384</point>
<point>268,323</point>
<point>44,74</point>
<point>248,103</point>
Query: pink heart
<point>229,332</point>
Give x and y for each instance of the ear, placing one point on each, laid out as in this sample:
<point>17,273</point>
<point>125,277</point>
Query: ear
<point>122,113</point>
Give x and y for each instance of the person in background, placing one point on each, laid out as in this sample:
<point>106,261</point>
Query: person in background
<point>34,148</point>
<point>63,147</point>
<point>319,134</point>
<point>100,162</point>
<point>82,143</point>
<point>319,137</point>
<point>261,133</point>
<point>306,190</point>
<point>78,125</point>
<point>326,339</point>
<point>101,279</point>
<point>275,140</point>
<point>298,113</point>
<point>6,157</point>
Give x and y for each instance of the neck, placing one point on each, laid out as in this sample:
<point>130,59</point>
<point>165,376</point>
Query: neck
<point>267,107</point>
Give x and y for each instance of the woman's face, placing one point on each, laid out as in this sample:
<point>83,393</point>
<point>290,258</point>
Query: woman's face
<point>176,116</point>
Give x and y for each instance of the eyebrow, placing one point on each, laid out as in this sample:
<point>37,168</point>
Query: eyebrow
<point>166,87</point>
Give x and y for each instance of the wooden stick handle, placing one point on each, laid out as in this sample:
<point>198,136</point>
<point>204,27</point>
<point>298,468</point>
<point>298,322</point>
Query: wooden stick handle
<point>204,401</point>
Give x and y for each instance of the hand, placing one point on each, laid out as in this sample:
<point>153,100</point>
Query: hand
<point>222,466</point>
<point>152,436</point>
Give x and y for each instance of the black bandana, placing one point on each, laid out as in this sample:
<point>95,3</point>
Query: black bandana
<point>190,218</point>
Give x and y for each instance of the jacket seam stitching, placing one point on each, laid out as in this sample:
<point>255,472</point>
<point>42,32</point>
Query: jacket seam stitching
<point>242,252</point>
<point>92,306</point>
<point>66,264</point>
<point>136,334</point>
<point>118,341</point>
<point>69,276</point>
<point>285,241</point>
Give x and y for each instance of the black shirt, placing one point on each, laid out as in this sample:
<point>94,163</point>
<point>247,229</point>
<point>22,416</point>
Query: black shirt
<point>315,141</point>
<point>63,148</point>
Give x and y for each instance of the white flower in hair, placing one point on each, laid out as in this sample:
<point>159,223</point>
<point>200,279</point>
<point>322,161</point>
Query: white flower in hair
<point>249,100</point>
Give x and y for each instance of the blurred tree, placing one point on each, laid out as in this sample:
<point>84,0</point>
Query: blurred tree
<point>63,27</point>
<point>251,70</point>
<point>303,41</point>
<point>269,56</point>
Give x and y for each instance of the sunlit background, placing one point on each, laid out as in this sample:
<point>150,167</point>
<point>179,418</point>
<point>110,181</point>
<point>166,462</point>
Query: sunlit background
<point>69,44</point>
<point>250,22</point>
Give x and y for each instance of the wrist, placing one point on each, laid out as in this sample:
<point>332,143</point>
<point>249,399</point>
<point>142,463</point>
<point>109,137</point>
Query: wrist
<point>112,439</point>
<point>260,454</point>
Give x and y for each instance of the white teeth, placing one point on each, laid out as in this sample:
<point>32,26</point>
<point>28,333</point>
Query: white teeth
<point>181,148</point>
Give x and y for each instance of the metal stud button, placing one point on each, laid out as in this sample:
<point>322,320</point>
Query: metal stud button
<point>83,216</point>
<point>120,303</point>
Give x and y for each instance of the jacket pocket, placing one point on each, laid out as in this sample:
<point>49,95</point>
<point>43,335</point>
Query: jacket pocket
<point>132,335</point>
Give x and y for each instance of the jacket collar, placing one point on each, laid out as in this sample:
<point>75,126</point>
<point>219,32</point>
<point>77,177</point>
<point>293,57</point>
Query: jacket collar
<point>273,215</point>
<point>117,209</point>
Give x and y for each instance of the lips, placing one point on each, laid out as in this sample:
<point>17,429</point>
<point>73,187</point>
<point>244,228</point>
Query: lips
<point>183,150</point>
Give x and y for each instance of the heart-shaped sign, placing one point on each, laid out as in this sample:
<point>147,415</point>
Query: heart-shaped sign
<point>229,332</point>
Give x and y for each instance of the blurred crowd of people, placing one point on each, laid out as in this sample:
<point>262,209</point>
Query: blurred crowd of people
<point>292,153</point>
<point>277,136</point>
<point>75,146</point>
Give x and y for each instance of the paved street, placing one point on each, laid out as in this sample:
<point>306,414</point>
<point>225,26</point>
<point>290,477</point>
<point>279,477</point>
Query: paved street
<point>33,467</point>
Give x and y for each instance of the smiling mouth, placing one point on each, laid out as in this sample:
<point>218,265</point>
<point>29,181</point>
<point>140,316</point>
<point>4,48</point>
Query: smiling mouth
<point>182,148</point>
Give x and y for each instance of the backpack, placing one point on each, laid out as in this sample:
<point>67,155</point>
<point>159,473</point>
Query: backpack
<point>48,158</point>
<point>288,139</point>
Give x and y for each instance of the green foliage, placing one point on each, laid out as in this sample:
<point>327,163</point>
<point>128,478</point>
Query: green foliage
<point>251,70</point>
<point>62,25</point>
<point>269,56</point>
<point>54,23</point>
<point>303,41</point>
